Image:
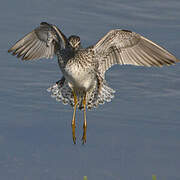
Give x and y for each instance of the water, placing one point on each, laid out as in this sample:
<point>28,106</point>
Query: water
<point>133,137</point>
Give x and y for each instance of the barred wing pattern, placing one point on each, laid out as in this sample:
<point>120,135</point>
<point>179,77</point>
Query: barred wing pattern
<point>42,42</point>
<point>126,47</point>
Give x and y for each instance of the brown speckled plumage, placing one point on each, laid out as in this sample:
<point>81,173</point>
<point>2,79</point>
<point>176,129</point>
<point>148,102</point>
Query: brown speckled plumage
<point>83,82</point>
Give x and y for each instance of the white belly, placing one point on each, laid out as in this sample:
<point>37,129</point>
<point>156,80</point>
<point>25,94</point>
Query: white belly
<point>80,79</point>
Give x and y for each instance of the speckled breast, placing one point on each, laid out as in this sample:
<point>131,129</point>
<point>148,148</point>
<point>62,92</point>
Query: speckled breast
<point>79,70</point>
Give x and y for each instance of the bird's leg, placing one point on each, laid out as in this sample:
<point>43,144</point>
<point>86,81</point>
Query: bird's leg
<point>73,120</point>
<point>85,123</point>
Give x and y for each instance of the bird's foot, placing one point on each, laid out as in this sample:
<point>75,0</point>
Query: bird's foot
<point>73,133</point>
<point>74,139</point>
<point>84,139</point>
<point>84,135</point>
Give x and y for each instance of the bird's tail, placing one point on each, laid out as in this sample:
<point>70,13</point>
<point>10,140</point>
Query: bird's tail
<point>100,96</point>
<point>62,92</point>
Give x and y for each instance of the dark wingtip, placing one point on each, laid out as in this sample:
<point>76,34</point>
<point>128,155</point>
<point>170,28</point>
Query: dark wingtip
<point>125,30</point>
<point>10,50</point>
<point>44,23</point>
<point>176,61</point>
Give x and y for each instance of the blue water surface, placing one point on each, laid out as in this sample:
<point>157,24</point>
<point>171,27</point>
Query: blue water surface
<point>133,137</point>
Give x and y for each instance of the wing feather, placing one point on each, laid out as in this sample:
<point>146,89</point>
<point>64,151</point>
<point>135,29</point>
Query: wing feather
<point>42,42</point>
<point>126,47</point>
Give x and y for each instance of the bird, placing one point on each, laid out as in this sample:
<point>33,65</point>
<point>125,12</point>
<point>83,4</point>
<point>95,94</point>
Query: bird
<point>83,83</point>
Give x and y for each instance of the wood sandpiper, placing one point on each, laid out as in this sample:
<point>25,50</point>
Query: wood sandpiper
<point>83,83</point>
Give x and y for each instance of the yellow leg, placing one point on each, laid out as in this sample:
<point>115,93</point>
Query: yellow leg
<point>73,120</point>
<point>85,123</point>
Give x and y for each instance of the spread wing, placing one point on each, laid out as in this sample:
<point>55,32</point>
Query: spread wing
<point>126,47</point>
<point>42,42</point>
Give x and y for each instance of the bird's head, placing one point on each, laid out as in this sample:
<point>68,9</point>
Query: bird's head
<point>75,42</point>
